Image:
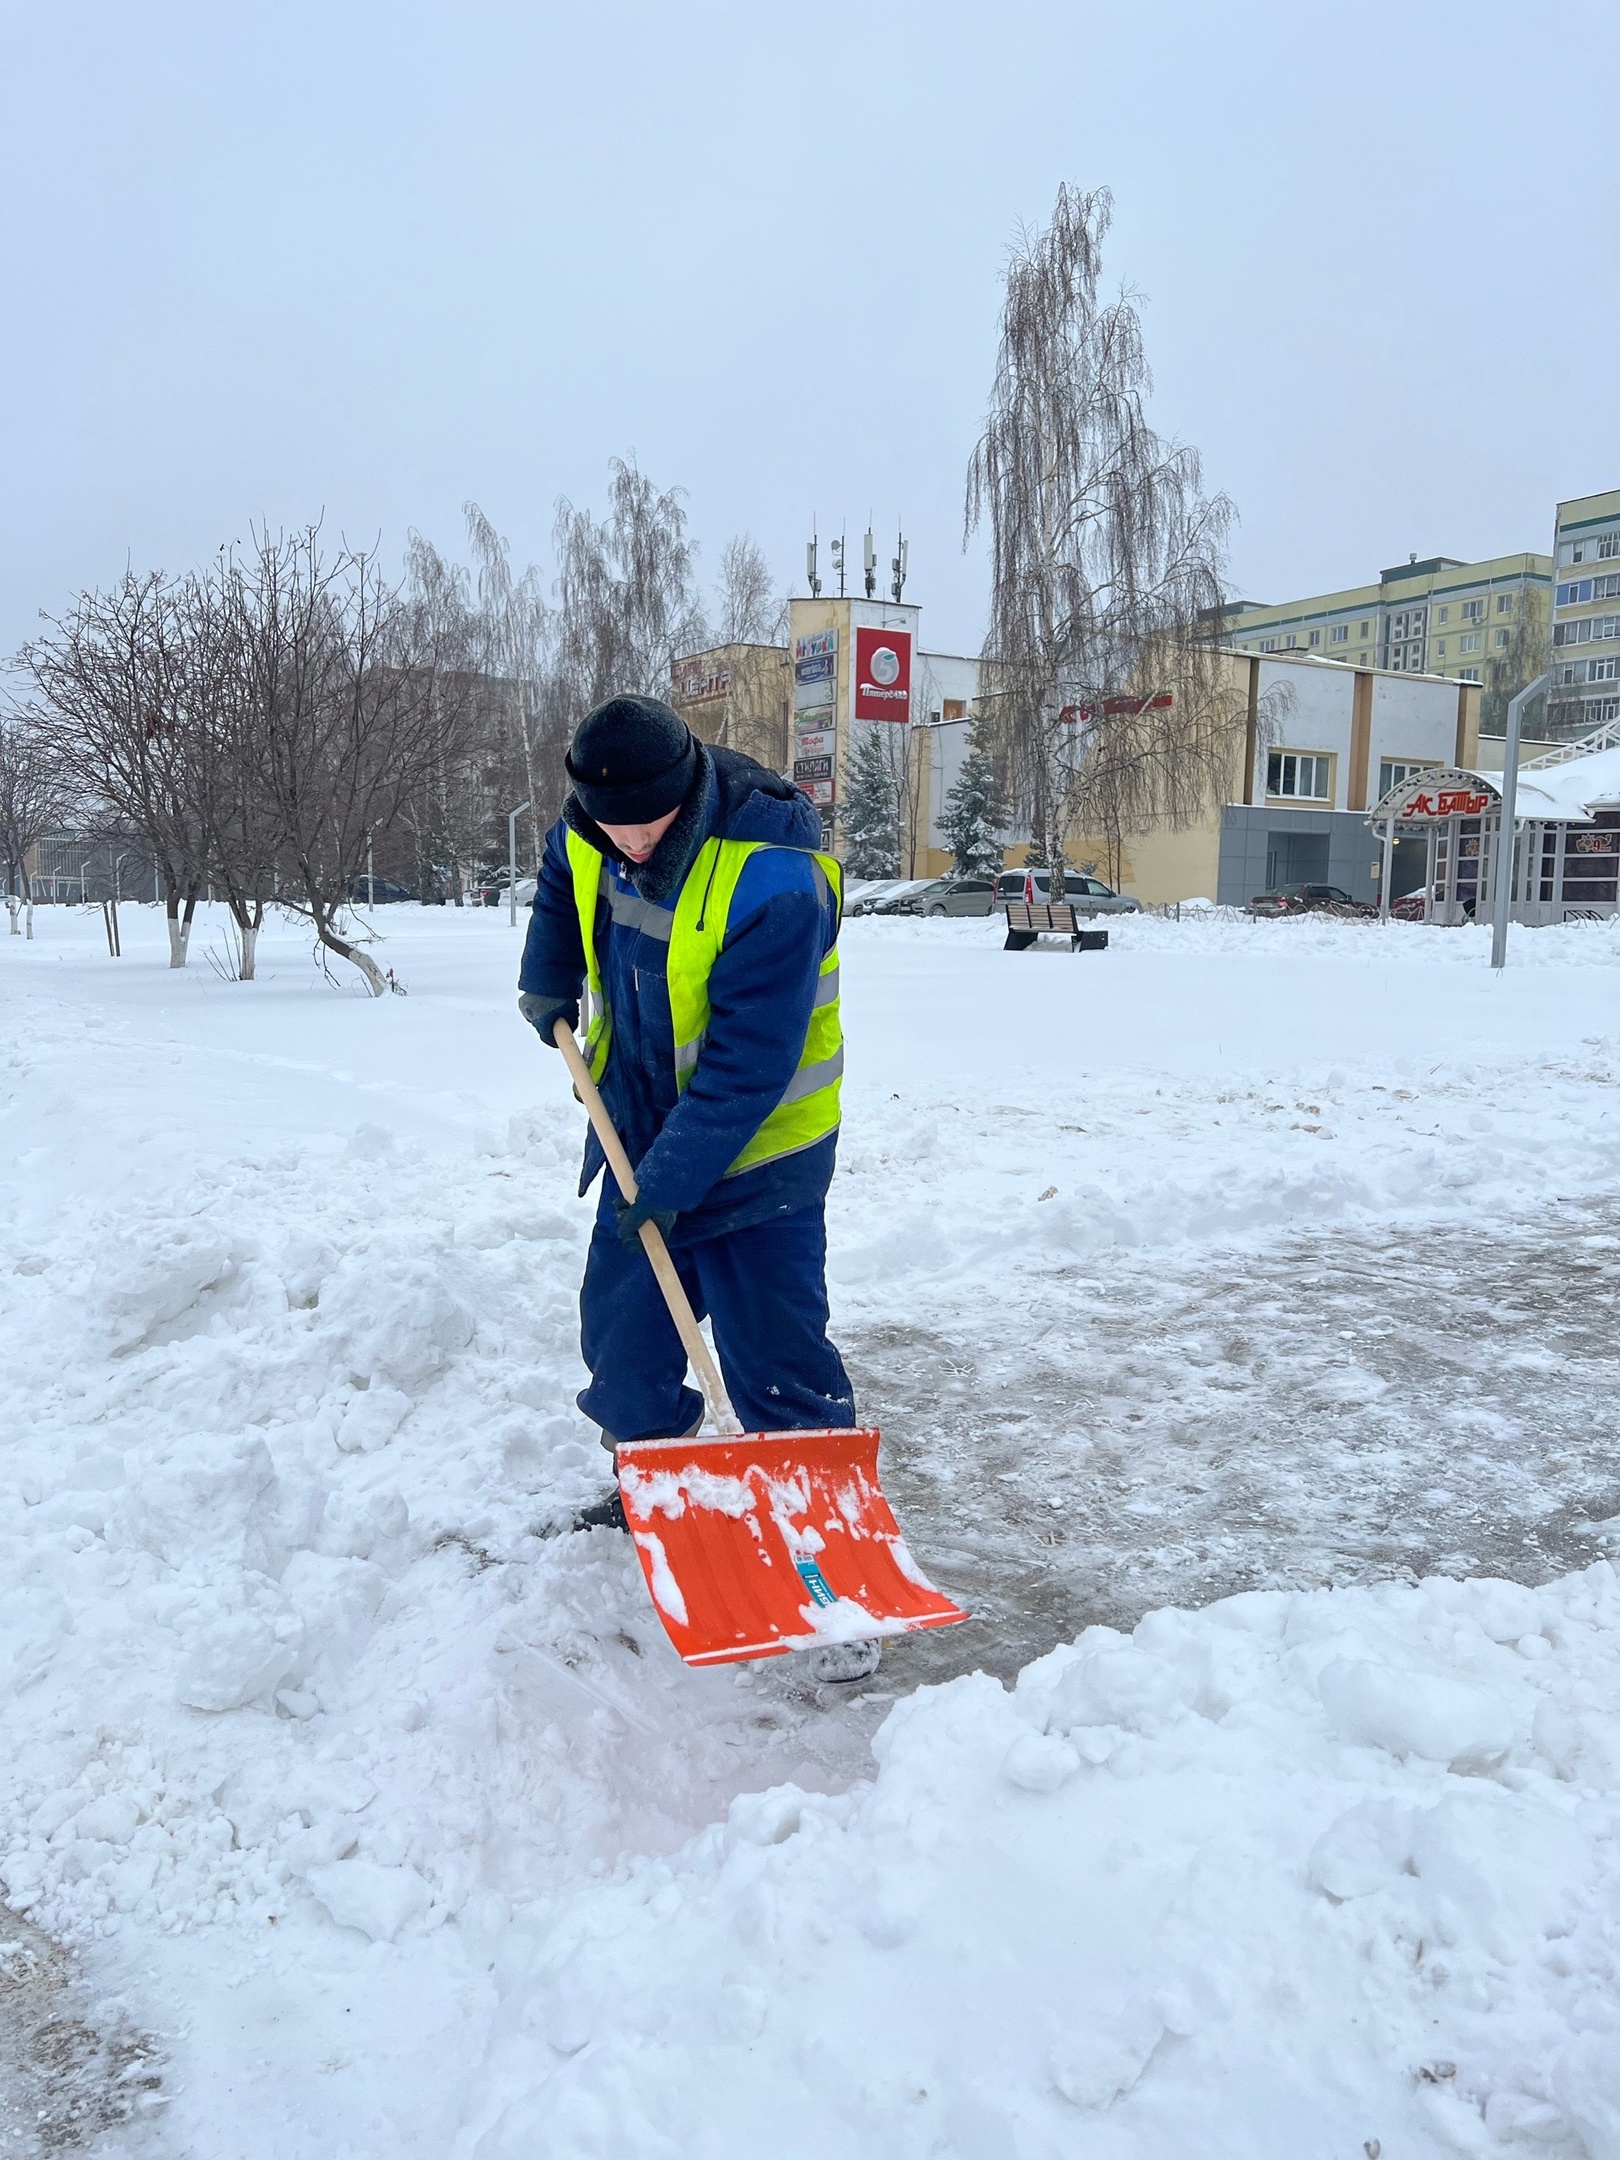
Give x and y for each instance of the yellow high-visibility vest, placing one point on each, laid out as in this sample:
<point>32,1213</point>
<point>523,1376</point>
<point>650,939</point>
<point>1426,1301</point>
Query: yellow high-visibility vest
<point>696,933</point>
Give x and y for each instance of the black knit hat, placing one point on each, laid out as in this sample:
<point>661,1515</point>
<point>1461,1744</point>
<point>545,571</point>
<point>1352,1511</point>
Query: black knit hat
<point>631,761</point>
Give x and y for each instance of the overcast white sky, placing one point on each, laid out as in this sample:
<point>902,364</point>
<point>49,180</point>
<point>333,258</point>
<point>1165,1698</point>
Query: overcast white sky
<point>268,261</point>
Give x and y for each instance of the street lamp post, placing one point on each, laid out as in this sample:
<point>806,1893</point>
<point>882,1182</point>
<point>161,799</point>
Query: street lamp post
<point>1502,893</point>
<point>512,817</point>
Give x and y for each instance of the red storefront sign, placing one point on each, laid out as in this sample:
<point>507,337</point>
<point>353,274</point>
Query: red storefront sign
<point>1116,708</point>
<point>1446,802</point>
<point>882,674</point>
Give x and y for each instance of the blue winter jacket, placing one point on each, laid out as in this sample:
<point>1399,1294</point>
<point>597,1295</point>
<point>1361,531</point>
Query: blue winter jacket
<point>761,993</point>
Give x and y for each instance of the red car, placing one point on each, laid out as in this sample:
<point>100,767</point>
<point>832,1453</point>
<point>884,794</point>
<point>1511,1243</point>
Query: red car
<point>1409,907</point>
<point>1310,900</point>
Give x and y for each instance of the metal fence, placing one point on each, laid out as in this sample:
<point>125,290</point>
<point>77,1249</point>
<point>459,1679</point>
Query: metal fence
<point>73,872</point>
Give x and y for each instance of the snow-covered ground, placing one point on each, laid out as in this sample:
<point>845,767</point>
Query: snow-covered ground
<point>1266,1264</point>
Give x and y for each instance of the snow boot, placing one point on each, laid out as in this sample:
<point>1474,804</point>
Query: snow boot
<point>608,1512</point>
<point>839,1664</point>
<point>604,1514</point>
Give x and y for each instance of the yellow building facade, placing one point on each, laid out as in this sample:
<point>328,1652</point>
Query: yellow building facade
<point>1480,622</point>
<point>1586,615</point>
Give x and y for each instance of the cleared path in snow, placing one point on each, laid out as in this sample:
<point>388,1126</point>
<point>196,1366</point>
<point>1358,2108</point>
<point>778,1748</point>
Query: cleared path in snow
<point>1333,1410</point>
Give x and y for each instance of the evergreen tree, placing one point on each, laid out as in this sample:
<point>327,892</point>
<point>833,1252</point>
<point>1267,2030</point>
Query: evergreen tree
<point>871,815</point>
<point>973,815</point>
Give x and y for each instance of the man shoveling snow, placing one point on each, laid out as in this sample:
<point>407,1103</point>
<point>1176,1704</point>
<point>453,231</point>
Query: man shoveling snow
<point>682,886</point>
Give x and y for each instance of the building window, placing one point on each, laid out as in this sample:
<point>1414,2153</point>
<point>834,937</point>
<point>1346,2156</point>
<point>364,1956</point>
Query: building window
<point>1501,640</point>
<point>1340,633</point>
<point>1583,589</point>
<point>1306,778</point>
<point>1472,610</point>
<point>1578,552</point>
<point>1602,670</point>
<point>1268,644</point>
<point>1470,643</point>
<point>1588,628</point>
<point>1441,648</point>
<point>1361,659</point>
<point>1395,772</point>
<point>1316,637</point>
<point>1504,603</point>
<point>1468,674</point>
<point>1445,614</point>
<point>1365,628</point>
<point>1289,643</point>
<point>1608,546</point>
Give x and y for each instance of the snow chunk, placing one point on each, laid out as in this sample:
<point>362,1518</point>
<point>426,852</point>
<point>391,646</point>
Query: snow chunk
<point>1099,2065</point>
<point>1123,1686</point>
<point>239,1656</point>
<point>150,1279</point>
<point>400,1320</point>
<point>1367,1848</point>
<point>1410,1713</point>
<point>1039,1763</point>
<point>379,1901</point>
<point>371,1420</point>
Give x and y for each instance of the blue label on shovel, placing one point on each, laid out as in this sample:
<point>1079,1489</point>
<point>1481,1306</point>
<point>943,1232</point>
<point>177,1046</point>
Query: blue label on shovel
<point>815,1582</point>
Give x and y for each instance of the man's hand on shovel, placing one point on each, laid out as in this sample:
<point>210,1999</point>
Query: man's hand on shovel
<point>631,1214</point>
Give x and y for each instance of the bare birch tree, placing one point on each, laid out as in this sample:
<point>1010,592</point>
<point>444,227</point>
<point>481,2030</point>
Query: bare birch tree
<point>1101,693</point>
<point>456,822</point>
<point>751,611</point>
<point>34,799</point>
<point>626,594</point>
<point>516,636</point>
<point>1519,650</point>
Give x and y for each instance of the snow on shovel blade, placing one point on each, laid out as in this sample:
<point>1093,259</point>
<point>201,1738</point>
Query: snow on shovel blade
<point>766,1542</point>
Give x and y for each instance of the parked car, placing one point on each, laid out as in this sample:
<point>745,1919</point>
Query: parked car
<point>1310,900</point>
<point>864,896</point>
<point>1087,895</point>
<point>1409,907</point>
<point>493,894</point>
<point>943,896</point>
<point>374,892</point>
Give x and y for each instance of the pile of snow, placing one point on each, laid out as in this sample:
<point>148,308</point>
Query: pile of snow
<point>1324,1873</point>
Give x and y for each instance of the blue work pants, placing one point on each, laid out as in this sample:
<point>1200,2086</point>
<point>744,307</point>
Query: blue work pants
<point>764,1288</point>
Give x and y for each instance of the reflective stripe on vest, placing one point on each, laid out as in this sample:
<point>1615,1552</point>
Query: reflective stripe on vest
<point>696,934</point>
<point>590,876</point>
<point>808,1110</point>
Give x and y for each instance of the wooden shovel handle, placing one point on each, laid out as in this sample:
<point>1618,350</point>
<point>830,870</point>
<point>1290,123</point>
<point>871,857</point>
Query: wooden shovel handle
<point>721,1415</point>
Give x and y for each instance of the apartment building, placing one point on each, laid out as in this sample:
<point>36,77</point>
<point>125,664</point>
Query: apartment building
<point>1480,622</point>
<point>1586,616</point>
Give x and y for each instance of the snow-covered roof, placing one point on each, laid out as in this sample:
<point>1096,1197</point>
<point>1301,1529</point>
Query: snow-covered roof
<point>1570,787</point>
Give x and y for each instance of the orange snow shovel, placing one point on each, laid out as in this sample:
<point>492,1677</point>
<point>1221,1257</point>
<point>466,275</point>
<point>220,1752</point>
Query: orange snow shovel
<point>756,1543</point>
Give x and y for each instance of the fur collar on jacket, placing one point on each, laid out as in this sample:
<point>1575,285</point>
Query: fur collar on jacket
<point>659,877</point>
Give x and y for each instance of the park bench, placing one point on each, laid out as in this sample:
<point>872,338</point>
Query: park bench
<point>1028,920</point>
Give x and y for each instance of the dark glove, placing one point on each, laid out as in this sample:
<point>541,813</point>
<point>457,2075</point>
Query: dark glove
<point>631,1214</point>
<point>543,1013</point>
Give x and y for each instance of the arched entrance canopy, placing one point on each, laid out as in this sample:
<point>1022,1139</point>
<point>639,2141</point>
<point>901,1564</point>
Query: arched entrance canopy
<point>1452,808</point>
<point>1428,798</point>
